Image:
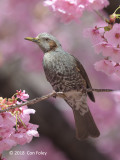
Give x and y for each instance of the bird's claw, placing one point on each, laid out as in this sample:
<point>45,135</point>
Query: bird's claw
<point>59,94</point>
<point>54,94</point>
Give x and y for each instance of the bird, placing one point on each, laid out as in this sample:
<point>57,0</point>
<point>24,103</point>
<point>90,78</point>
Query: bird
<point>66,74</point>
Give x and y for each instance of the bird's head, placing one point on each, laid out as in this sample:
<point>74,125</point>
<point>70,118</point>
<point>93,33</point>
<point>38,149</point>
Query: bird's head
<point>46,42</point>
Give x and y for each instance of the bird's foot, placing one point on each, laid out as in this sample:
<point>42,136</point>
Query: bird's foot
<point>54,94</point>
<point>61,95</point>
<point>58,94</point>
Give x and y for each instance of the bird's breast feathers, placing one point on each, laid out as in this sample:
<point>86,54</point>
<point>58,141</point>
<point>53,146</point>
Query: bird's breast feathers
<point>61,72</point>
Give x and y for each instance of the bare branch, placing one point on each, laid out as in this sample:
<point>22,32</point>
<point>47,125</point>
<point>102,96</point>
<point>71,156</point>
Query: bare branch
<point>30,102</point>
<point>53,94</point>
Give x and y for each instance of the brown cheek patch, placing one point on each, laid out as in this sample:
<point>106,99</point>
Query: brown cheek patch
<point>52,45</point>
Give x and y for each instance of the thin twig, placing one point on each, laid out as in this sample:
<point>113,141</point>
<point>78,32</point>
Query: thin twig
<point>99,14</point>
<point>99,90</point>
<point>53,94</point>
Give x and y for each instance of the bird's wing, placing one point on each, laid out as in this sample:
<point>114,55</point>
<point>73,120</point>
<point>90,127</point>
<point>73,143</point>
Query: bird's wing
<point>85,76</point>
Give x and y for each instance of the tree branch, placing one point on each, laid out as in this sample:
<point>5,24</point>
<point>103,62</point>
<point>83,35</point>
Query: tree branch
<point>53,94</point>
<point>99,90</point>
<point>30,102</point>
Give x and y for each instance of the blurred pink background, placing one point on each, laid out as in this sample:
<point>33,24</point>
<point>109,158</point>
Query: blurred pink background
<point>21,67</point>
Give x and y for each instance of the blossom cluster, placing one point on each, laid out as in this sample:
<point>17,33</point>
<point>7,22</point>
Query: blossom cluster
<point>14,124</point>
<point>106,42</point>
<point>73,9</point>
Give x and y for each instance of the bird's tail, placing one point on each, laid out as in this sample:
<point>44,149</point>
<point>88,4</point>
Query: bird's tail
<point>85,125</point>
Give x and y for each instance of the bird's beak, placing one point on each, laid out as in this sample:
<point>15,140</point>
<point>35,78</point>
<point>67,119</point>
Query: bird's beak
<point>31,39</point>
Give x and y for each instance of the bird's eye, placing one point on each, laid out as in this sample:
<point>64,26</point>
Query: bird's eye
<point>47,39</point>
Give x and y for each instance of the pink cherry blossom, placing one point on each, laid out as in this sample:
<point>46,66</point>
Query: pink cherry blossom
<point>94,35</point>
<point>9,134</point>
<point>113,36</point>
<point>29,111</point>
<point>6,144</point>
<point>108,50</point>
<point>73,9</point>
<point>98,4</point>
<point>105,66</point>
<point>7,123</point>
<point>108,44</point>
<point>25,113</point>
<point>25,134</point>
<point>22,95</point>
<point>68,9</point>
<point>104,48</point>
<point>7,120</point>
<point>115,54</point>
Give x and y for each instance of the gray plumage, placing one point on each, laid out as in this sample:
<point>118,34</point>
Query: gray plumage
<point>66,74</point>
